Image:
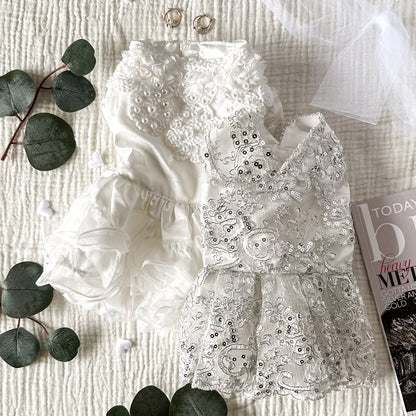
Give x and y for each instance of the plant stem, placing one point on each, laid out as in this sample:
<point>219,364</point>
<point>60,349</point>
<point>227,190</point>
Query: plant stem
<point>20,118</point>
<point>29,111</point>
<point>18,324</point>
<point>41,324</point>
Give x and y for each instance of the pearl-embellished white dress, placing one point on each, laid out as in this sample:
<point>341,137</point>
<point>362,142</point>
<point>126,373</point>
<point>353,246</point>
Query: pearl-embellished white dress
<point>212,223</point>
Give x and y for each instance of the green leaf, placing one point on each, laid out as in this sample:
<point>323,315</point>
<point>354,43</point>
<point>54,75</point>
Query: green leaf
<point>63,344</point>
<point>71,92</point>
<point>150,401</point>
<point>17,91</point>
<point>49,141</point>
<point>118,411</point>
<point>22,297</point>
<point>18,347</point>
<point>79,57</point>
<point>195,402</point>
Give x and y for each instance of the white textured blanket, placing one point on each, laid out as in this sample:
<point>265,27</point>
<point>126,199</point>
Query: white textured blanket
<point>33,36</point>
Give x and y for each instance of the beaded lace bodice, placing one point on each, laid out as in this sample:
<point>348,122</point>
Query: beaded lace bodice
<point>285,212</point>
<point>184,89</point>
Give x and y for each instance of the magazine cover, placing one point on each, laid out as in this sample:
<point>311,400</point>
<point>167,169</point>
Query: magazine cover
<point>386,230</point>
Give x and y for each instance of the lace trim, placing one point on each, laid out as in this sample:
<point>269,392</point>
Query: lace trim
<point>237,335</point>
<point>150,75</point>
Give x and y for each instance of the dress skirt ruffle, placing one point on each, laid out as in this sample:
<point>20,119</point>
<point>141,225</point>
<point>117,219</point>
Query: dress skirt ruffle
<point>126,250</point>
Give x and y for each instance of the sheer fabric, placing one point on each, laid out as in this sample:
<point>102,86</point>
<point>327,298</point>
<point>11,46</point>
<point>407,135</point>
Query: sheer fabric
<point>372,64</point>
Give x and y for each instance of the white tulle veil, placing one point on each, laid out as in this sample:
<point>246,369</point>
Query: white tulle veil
<point>373,64</point>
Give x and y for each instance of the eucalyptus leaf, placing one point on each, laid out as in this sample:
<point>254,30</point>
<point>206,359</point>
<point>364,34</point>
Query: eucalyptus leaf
<point>118,411</point>
<point>195,402</point>
<point>79,57</point>
<point>18,347</point>
<point>71,92</point>
<point>49,141</point>
<point>63,344</point>
<point>22,297</point>
<point>150,401</point>
<point>17,91</point>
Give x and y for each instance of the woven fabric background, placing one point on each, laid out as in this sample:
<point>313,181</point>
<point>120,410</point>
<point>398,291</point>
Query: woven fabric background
<point>33,37</point>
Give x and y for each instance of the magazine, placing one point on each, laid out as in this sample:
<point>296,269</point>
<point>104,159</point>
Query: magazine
<point>386,230</point>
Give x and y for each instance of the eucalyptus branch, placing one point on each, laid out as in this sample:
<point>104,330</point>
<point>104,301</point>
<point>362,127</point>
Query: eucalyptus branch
<point>22,299</point>
<point>48,139</point>
<point>22,120</point>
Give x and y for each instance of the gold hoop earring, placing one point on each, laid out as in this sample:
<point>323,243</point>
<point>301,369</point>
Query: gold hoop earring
<point>173,17</point>
<point>203,24</point>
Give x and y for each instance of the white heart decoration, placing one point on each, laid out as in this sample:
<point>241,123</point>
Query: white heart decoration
<point>96,160</point>
<point>44,209</point>
<point>108,313</point>
<point>123,345</point>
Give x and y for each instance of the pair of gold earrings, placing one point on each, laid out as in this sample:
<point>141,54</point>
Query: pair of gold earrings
<point>202,23</point>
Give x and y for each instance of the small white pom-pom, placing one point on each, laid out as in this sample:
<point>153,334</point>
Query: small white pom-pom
<point>96,160</point>
<point>104,313</point>
<point>44,209</point>
<point>123,345</point>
